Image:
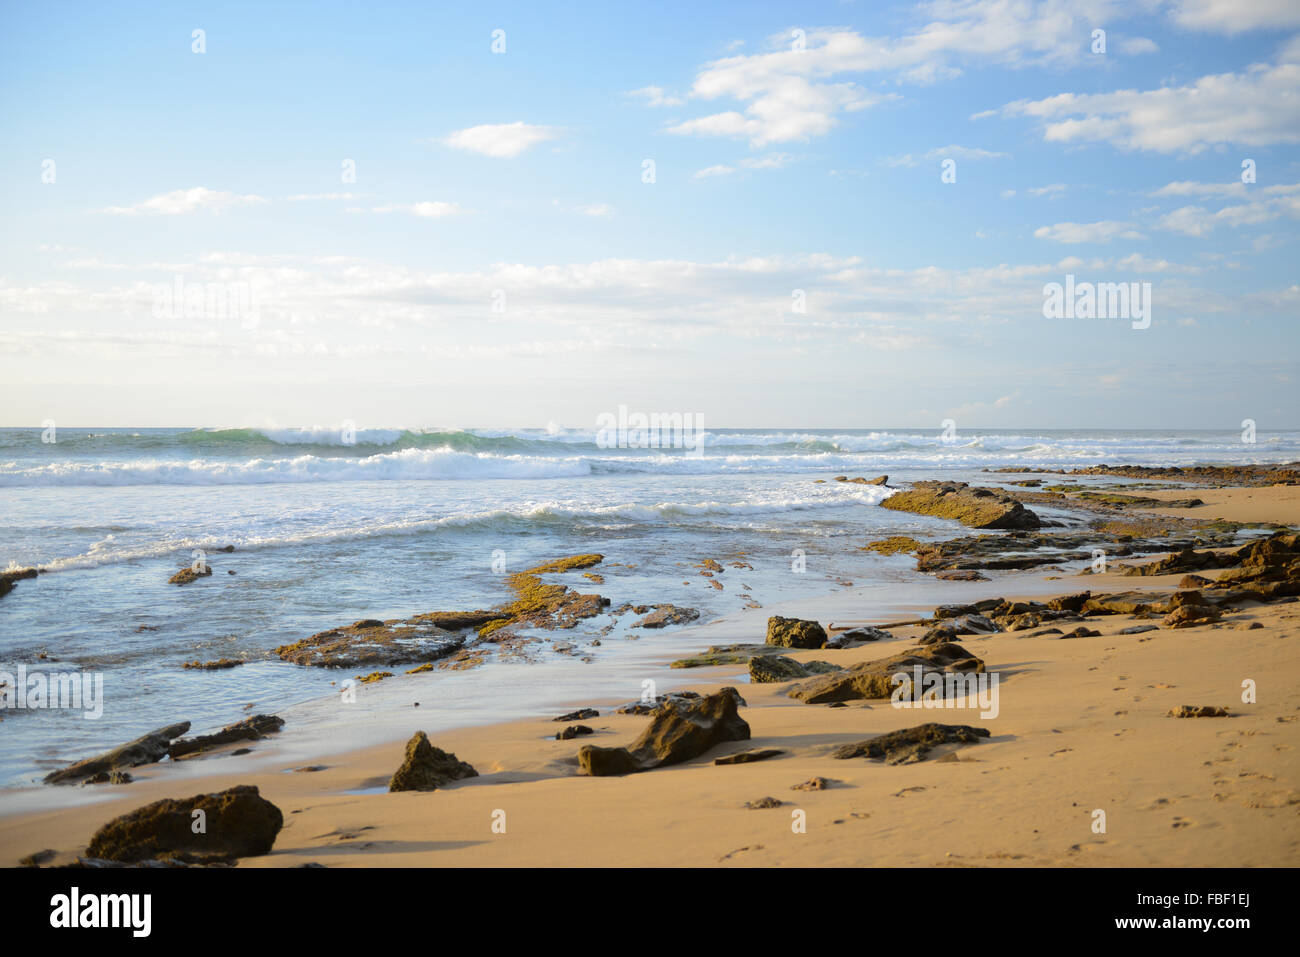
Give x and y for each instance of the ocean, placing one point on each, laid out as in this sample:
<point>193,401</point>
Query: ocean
<point>329,526</point>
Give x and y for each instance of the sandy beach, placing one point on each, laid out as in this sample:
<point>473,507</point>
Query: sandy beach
<point>1082,727</point>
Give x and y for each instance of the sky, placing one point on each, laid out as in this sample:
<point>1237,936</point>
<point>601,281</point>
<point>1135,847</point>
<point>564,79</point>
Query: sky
<point>765,214</point>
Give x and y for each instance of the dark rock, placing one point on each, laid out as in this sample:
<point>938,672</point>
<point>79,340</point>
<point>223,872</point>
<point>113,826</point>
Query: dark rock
<point>189,574</point>
<point>573,731</point>
<point>795,633</point>
<point>147,749</point>
<point>580,715</point>
<point>857,636</point>
<point>221,664</point>
<point>110,777</point>
<point>1082,632</point>
<point>427,768</point>
<point>1072,603</point>
<point>8,579</point>
<point>762,803</point>
<point>665,615</point>
<point>812,784</point>
<point>872,679</point>
<point>1138,629</point>
<point>911,744</point>
<point>961,575</point>
<point>250,729</point>
<point>748,757</point>
<point>680,729</point>
<point>239,822</point>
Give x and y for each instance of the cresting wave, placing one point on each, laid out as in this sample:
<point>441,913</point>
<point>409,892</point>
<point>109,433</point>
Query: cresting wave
<point>110,551</point>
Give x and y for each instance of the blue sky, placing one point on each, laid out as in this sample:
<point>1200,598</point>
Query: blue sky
<point>500,260</point>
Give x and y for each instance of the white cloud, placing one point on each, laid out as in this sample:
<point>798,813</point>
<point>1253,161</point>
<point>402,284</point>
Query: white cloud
<point>597,209</point>
<point>500,140</point>
<point>1099,232</point>
<point>1257,107</point>
<point>181,201</point>
<point>310,197</point>
<point>427,210</point>
<point>1136,46</point>
<point>655,96</point>
<point>1270,203</point>
<point>1235,16</point>
<point>1051,191</point>
<point>711,171</point>
<point>944,152</point>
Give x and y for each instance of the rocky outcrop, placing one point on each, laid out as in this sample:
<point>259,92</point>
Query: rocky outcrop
<point>250,729</point>
<point>680,729</point>
<point>974,507</point>
<point>147,749</point>
<point>9,578</point>
<point>911,744</point>
<point>1209,474</point>
<point>664,615</point>
<point>795,633</point>
<point>220,664</point>
<point>427,768</point>
<point>573,731</point>
<point>725,655</point>
<point>769,669</point>
<point>372,642</point>
<point>872,679</point>
<point>237,822</point>
<point>190,574</point>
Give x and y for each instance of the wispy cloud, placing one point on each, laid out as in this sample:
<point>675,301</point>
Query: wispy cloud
<point>500,140</point>
<point>181,201</point>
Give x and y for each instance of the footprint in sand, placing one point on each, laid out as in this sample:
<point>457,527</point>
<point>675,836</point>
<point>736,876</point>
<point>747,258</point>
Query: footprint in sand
<point>1180,822</point>
<point>1060,751</point>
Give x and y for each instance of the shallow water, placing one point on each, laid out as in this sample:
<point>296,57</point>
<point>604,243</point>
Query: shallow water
<point>326,532</point>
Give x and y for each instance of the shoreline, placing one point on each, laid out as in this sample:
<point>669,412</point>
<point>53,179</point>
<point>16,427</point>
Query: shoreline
<point>353,821</point>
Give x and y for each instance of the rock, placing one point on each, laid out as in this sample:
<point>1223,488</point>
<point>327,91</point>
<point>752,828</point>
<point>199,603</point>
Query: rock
<point>573,731</point>
<point>1138,629</point>
<point>961,575</point>
<point>795,633</point>
<point>109,777</point>
<point>1194,581</point>
<point>812,784</point>
<point>1191,616</point>
<point>665,615</point>
<point>1073,603</point>
<point>39,858</point>
<point>1082,632</point>
<point>911,744</point>
<point>768,669</point>
<point>250,729</point>
<point>8,579</point>
<point>189,574</point>
<point>972,625</point>
<point>1127,603</point>
<point>892,545</point>
<point>857,636</point>
<point>427,768</point>
<point>372,642</point>
<point>944,612</point>
<point>580,715</point>
<point>762,803</point>
<point>220,664</point>
<point>726,655</point>
<point>1198,711</point>
<point>147,749</point>
<point>974,507</point>
<point>748,757</point>
<point>239,822</point>
<point>680,729</point>
<point>872,679</point>
<point>939,634</point>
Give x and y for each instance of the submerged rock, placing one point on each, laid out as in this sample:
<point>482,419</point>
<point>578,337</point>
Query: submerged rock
<point>147,749</point>
<point>238,822</point>
<point>873,679</point>
<point>573,731</point>
<point>427,768</point>
<point>680,729</point>
<point>11,577</point>
<point>911,744</point>
<point>725,655</point>
<point>857,636</point>
<point>795,633</point>
<point>189,574</point>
